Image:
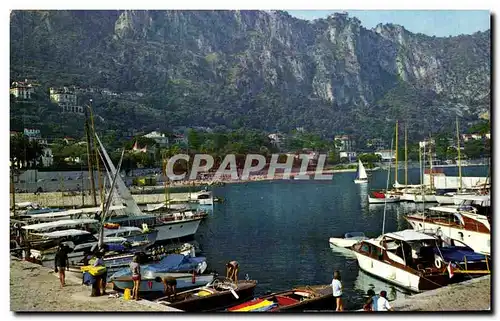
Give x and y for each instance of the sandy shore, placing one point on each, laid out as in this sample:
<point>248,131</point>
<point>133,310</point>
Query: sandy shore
<point>34,288</point>
<point>472,295</point>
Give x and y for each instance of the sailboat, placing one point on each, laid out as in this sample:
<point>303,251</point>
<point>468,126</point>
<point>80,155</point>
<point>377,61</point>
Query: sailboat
<point>361,176</point>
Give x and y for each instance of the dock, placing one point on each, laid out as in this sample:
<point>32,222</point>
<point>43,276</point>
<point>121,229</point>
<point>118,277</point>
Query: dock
<point>58,199</point>
<point>34,288</point>
<point>471,295</point>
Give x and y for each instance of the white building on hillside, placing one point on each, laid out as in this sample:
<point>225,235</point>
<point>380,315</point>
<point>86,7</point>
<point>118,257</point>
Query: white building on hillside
<point>386,155</point>
<point>22,89</point>
<point>160,138</point>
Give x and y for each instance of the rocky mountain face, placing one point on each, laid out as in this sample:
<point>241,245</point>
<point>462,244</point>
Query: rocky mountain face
<point>259,69</point>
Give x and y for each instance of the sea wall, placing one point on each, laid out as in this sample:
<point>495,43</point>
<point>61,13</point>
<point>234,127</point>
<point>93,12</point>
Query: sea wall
<point>472,295</point>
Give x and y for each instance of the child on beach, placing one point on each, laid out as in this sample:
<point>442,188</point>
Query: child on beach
<point>337,291</point>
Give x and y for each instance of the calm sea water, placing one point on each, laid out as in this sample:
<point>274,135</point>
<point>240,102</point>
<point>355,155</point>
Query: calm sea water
<point>278,230</point>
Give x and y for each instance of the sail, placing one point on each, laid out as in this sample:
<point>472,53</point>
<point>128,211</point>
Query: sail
<point>132,208</point>
<point>361,171</point>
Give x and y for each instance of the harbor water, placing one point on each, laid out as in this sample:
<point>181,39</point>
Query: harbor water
<point>278,230</point>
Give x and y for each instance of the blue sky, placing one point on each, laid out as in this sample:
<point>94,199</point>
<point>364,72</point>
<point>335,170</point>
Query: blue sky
<point>440,23</point>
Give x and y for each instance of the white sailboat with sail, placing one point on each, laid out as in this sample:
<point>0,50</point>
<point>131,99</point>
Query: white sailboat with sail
<point>361,176</point>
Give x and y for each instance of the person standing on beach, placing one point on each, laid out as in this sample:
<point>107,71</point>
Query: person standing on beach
<point>371,303</point>
<point>61,263</point>
<point>136,277</point>
<point>383,303</point>
<point>337,291</point>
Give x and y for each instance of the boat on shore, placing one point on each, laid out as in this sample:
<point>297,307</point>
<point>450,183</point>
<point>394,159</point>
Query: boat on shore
<point>219,294</point>
<point>304,298</point>
<point>155,285</point>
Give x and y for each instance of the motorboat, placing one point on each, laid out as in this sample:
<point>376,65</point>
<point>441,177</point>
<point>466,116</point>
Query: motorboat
<point>219,294</point>
<point>404,258</point>
<point>348,240</point>
<point>458,223</point>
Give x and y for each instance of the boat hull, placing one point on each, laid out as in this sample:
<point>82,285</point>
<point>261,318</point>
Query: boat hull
<point>177,229</point>
<point>444,200</point>
<point>216,302</point>
<point>342,242</point>
<point>152,286</point>
<point>428,198</point>
<point>374,200</point>
<point>361,181</point>
<point>324,301</point>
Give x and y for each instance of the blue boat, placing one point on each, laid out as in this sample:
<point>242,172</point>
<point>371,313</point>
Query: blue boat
<point>173,263</point>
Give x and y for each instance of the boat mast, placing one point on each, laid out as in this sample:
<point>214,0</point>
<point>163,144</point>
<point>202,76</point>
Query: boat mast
<point>396,167</point>
<point>420,163</point>
<point>167,198</point>
<point>431,184</point>
<point>13,189</point>
<point>89,159</point>
<point>99,178</point>
<point>385,194</point>
<point>459,161</point>
<point>406,154</point>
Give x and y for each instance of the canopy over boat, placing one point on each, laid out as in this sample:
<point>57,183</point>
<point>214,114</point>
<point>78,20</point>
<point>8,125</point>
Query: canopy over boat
<point>56,224</point>
<point>409,235</point>
<point>75,212</point>
<point>26,204</point>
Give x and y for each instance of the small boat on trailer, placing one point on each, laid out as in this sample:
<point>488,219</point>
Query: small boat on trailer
<point>217,295</point>
<point>315,297</point>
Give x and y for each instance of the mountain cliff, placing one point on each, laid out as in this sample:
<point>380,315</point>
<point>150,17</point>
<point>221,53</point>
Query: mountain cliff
<point>258,69</point>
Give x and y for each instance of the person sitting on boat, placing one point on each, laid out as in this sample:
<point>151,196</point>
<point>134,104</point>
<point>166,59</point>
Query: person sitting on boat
<point>383,303</point>
<point>169,285</point>
<point>232,269</point>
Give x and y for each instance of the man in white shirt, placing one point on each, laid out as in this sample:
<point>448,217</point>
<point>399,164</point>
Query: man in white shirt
<point>383,303</point>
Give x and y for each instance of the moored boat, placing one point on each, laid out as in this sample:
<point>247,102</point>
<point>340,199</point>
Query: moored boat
<point>155,285</point>
<point>381,198</point>
<point>405,258</point>
<point>348,240</point>
<point>219,294</point>
<point>314,297</point>
<point>465,226</point>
